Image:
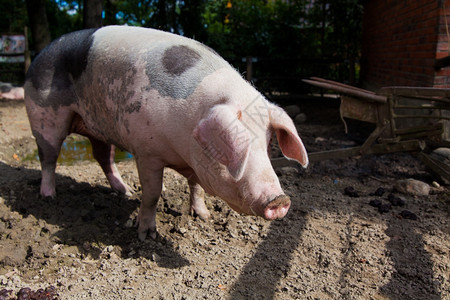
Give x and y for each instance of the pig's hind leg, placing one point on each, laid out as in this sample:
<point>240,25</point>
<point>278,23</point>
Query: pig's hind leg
<point>197,198</point>
<point>104,154</point>
<point>49,132</point>
<point>196,195</point>
<point>48,150</point>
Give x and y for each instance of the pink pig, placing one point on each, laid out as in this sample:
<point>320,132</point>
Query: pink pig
<point>7,91</point>
<point>171,102</point>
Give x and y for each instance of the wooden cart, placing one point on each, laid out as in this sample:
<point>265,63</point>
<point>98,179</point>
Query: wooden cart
<point>406,119</point>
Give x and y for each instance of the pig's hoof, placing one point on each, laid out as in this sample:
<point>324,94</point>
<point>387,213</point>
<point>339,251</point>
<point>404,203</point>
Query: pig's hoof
<point>49,199</point>
<point>142,235</point>
<point>48,195</point>
<point>200,211</point>
<point>126,190</point>
<point>203,214</point>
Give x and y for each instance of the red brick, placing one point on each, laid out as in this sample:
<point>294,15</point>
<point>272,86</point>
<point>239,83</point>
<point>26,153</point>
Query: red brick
<point>440,80</point>
<point>443,37</point>
<point>400,41</point>
<point>441,54</point>
<point>443,72</point>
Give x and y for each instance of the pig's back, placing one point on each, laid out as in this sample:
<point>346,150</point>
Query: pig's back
<point>118,78</point>
<point>170,64</point>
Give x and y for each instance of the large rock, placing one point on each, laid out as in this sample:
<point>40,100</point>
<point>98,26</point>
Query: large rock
<point>413,187</point>
<point>442,154</point>
<point>292,110</point>
<point>300,118</point>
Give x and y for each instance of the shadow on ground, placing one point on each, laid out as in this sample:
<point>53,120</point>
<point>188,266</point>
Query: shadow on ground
<point>83,215</point>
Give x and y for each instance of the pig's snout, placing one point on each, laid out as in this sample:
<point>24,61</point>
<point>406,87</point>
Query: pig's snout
<point>277,208</point>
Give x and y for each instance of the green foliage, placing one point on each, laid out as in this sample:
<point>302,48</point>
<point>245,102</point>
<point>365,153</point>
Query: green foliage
<point>181,17</point>
<point>14,16</point>
<point>134,12</point>
<point>295,38</point>
<point>63,17</point>
<point>236,28</point>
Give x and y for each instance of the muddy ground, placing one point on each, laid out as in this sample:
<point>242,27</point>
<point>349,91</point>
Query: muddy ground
<point>329,246</point>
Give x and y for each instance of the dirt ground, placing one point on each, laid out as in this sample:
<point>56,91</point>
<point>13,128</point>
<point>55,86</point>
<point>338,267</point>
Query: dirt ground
<point>329,246</point>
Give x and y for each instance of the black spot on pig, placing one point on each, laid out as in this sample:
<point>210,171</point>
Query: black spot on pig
<point>133,107</point>
<point>175,71</point>
<point>5,87</point>
<point>80,43</point>
<point>57,67</point>
<point>66,55</point>
<point>177,59</point>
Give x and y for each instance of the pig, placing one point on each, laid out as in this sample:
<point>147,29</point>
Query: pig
<point>170,101</point>
<point>7,91</point>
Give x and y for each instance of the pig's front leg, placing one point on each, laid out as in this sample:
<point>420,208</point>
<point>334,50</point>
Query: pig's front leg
<point>197,200</point>
<point>151,181</point>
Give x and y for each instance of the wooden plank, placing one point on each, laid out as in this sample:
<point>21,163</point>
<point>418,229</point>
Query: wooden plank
<point>415,91</point>
<point>408,130</point>
<point>437,167</point>
<point>437,132</point>
<point>423,106</point>
<point>356,109</point>
<point>429,99</point>
<point>372,138</point>
<point>396,116</point>
<point>342,84</point>
<point>348,91</point>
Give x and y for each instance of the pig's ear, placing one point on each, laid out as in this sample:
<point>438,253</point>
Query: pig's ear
<point>223,137</point>
<point>290,143</point>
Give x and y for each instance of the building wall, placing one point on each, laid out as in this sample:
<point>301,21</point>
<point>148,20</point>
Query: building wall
<point>442,76</point>
<point>400,42</point>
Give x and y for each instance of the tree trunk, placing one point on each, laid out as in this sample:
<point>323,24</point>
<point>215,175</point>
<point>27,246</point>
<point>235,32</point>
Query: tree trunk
<point>110,12</point>
<point>40,31</point>
<point>191,19</point>
<point>161,15</point>
<point>92,13</point>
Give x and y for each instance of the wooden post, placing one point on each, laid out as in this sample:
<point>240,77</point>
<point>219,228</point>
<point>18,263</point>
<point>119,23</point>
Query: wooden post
<point>27,56</point>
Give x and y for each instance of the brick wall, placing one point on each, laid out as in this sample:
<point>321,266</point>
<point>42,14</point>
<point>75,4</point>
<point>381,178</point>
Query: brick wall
<point>442,76</point>
<point>400,42</point>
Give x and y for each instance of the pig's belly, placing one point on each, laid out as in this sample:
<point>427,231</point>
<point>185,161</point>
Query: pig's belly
<point>94,129</point>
